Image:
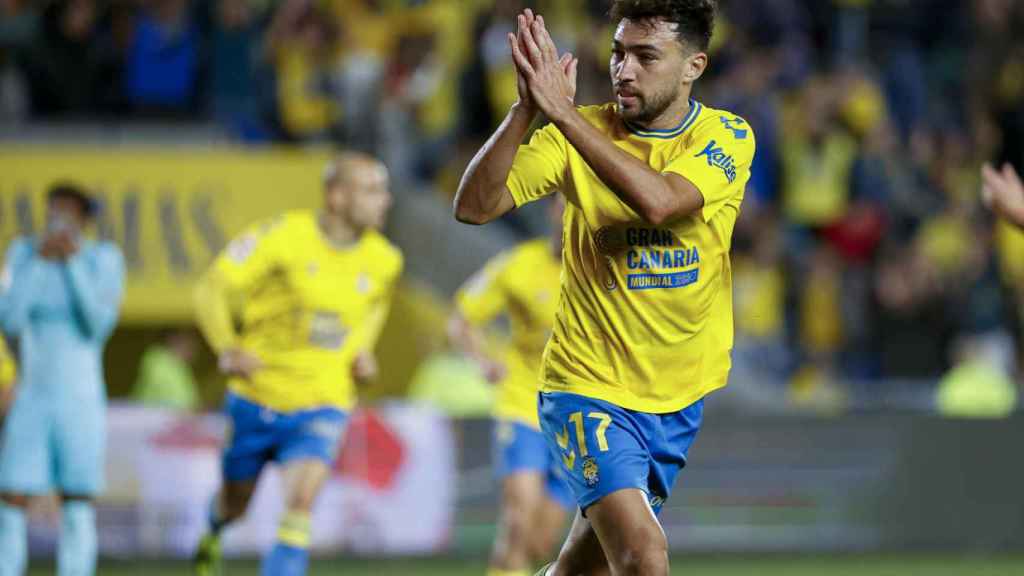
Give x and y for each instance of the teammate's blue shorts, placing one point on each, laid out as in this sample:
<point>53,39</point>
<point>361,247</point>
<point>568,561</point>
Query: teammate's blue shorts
<point>619,448</point>
<point>258,435</point>
<point>519,447</point>
<point>53,442</point>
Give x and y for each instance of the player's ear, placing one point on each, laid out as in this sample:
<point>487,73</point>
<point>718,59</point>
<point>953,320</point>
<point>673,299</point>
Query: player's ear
<point>694,66</point>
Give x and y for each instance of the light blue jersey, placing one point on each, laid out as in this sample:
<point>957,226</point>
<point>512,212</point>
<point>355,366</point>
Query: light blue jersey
<point>58,315</point>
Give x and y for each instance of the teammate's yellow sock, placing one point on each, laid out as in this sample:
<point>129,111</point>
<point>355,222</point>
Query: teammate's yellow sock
<point>294,530</point>
<point>496,572</point>
<point>290,554</point>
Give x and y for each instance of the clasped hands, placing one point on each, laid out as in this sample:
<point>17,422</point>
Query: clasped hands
<point>545,80</point>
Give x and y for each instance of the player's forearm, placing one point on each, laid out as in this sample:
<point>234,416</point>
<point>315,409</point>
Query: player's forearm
<point>1011,211</point>
<point>98,297</point>
<point>483,195</point>
<point>647,192</point>
<point>213,313</point>
<point>368,334</point>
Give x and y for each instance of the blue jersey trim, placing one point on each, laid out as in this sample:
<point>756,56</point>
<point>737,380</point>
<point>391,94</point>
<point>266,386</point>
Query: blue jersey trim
<point>668,134</point>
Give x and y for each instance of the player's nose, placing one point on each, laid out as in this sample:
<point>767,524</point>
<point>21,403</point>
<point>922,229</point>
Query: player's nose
<point>624,78</point>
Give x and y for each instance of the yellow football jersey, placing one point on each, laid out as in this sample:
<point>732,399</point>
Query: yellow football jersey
<point>307,309</point>
<point>8,372</point>
<point>522,283</point>
<point>645,316</point>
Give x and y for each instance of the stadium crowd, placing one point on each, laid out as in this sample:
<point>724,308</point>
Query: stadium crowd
<point>862,253</point>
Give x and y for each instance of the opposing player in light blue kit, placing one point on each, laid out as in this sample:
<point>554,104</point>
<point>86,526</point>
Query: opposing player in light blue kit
<point>59,300</point>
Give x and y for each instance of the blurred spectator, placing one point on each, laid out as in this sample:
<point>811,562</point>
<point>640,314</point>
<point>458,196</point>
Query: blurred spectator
<point>500,73</point>
<point>165,374</point>
<point>61,65</point>
<point>759,288</point>
<point>233,85</point>
<point>817,157</point>
<point>412,77</point>
<point>912,326</point>
<point>302,44</point>
<point>163,66</point>
<point>17,28</point>
<point>8,373</point>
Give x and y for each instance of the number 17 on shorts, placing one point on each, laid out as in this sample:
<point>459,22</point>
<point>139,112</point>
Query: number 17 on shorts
<point>605,448</point>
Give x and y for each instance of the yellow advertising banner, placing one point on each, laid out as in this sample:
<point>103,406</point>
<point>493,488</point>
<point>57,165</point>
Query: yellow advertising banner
<point>171,210</point>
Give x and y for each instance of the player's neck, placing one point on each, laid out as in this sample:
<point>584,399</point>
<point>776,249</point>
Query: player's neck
<point>337,231</point>
<point>672,117</point>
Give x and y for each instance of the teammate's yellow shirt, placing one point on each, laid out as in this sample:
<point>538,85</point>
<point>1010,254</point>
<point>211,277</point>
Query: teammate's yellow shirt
<point>645,316</point>
<point>523,283</point>
<point>308,308</point>
<point>8,372</point>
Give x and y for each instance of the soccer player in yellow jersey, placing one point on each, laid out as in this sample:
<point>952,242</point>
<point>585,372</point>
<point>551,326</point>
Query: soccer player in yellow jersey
<point>523,283</point>
<point>653,184</point>
<point>7,375</point>
<point>315,290</point>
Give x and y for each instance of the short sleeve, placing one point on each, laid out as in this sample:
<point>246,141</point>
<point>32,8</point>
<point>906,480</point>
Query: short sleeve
<point>539,166</point>
<point>482,297</point>
<point>718,161</point>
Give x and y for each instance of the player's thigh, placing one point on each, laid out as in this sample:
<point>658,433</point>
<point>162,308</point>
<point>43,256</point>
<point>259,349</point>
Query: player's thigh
<point>26,455</point>
<point>599,445</point>
<point>303,479</point>
<point>582,552</point>
<point>307,450</point>
<point>522,492</point>
<point>547,527</point>
<point>629,532</point>
<point>249,442</point>
<point>80,440</point>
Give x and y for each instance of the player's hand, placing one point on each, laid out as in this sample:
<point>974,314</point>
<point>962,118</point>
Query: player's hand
<point>550,79</point>
<point>365,368</point>
<point>1003,192</point>
<point>515,41</point>
<point>238,363</point>
<point>492,370</point>
<point>58,246</point>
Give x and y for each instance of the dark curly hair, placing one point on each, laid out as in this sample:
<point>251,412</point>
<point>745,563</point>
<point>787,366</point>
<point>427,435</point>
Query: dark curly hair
<point>694,19</point>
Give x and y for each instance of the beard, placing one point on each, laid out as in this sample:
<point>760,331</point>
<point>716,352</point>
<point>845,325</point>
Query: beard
<point>651,108</point>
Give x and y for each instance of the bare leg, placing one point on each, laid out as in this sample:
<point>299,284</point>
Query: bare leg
<point>522,493</point>
<point>623,527</point>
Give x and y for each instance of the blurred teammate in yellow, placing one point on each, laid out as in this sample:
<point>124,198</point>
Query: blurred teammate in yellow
<point>315,290</point>
<point>522,283</point>
<point>7,375</point>
<point>653,184</point>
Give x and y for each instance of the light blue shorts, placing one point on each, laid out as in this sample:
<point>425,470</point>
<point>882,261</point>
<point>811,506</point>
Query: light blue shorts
<point>53,443</point>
